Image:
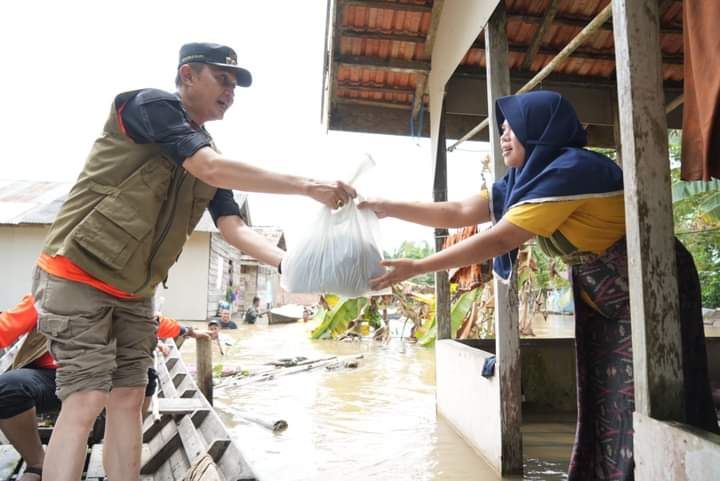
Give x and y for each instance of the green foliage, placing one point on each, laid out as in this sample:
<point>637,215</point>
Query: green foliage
<point>337,319</point>
<point>415,250</point>
<point>696,212</point>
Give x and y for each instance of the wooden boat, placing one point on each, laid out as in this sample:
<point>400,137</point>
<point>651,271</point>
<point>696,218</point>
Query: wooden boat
<point>285,314</point>
<point>183,437</point>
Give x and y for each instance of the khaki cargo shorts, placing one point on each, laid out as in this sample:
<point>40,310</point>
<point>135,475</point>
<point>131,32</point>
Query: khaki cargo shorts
<point>98,341</point>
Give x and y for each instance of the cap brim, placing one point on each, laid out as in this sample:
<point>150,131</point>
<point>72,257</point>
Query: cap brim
<point>243,77</point>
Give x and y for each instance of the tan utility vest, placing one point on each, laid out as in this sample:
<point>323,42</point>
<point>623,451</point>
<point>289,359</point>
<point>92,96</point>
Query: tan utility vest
<point>128,216</point>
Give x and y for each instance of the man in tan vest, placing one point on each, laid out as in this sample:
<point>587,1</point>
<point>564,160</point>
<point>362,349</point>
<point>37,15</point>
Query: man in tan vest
<point>146,183</point>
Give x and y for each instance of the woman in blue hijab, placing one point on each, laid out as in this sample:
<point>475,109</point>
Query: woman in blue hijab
<point>571,200</point>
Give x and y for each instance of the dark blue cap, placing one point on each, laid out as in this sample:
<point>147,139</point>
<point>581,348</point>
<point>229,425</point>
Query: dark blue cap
<point>214,54</point>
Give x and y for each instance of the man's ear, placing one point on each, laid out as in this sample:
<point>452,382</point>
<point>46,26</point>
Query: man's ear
<point>187,74</point>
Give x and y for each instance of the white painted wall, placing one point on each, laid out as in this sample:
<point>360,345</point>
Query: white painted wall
<point>19,249</point>
<point>186,297</point>
<point>470,402</point>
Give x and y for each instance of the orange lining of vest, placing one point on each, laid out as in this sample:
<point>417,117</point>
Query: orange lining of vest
<point>64,268</point>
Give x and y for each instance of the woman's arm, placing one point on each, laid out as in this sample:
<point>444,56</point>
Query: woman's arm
<point>499,239</point>
<point>473,210</point>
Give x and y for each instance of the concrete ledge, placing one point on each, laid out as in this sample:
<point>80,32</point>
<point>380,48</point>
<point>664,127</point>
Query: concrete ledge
<point>673,451</point>
<point>469,402</point>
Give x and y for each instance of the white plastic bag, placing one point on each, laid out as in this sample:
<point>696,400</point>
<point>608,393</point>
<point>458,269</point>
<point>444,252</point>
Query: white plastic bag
<point>341,253</point>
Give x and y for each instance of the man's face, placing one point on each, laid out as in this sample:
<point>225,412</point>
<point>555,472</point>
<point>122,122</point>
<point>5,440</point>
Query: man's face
<point>225,315</point>
<point>212,92</point>
<point>212,328</point>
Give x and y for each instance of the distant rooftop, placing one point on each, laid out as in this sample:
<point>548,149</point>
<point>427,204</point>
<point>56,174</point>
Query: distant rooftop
<point>26,202</point>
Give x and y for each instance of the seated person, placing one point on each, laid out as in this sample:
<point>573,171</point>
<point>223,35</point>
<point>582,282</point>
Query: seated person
<point>28,387</point>
<point>253,311</point>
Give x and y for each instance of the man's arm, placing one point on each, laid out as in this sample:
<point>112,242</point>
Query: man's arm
<point>218,171</point>
<point>241,236</point>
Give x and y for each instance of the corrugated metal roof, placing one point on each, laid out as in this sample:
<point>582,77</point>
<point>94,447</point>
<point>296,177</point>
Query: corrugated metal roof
<point>31,202</point>
<point>25,202</point>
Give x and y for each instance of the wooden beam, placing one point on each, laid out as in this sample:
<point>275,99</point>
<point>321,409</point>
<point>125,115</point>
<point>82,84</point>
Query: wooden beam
<point>656,340</point>
<point>397,6</point>
<point>396,65</point>
<point>203,356</point>
<point>539,34</point>
<point>571,21</point>
<point>375,90</point>
<point>372,103</point>
<point>434,22</point>
<point>440,192</point>
<point>418,98</point>
<point>507,337</point>
<point>350,32</point>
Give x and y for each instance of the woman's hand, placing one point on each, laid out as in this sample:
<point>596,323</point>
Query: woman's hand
<point>379,206</point>
<point>400,270</point>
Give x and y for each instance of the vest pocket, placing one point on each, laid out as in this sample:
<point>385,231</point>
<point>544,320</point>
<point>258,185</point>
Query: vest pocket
<point>112,232</point>
<point>202,195</point>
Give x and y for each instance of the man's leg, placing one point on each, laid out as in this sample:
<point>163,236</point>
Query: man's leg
<point>65,457</point>
<point>134,327</point>
<point>77,321</point>
<point>24,392</point>
<point>123,442</point>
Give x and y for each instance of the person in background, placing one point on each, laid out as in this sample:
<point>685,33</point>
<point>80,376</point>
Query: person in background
<point>223,316</point>
<point>571,200</point>
<point>253,311</point>
<point>28,387</point>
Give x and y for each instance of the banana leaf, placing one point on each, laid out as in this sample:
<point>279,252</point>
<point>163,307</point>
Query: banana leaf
<point>460,309</point>
<point>685,189</point>
<point>336,320</point>
<point>458,312</point>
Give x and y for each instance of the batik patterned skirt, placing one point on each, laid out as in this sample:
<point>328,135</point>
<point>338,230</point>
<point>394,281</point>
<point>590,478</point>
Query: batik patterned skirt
<point>603,449</point>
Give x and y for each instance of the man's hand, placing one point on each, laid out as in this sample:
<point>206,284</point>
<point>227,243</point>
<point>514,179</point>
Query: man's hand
<point>332,194</point>
<point>163,348</point>
<point>200,334</point>
<point>379,206</point>
<point>400,270</point>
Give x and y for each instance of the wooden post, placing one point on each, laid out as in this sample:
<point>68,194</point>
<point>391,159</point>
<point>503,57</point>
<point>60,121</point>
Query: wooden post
<point>506,302</point>
<point>203,356</point>
<point>657,355</point>
<point>442,284</point>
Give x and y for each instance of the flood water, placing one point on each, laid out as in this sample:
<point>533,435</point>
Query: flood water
<point>374,422</point>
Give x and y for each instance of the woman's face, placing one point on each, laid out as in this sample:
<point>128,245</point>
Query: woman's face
<point>513,151</point>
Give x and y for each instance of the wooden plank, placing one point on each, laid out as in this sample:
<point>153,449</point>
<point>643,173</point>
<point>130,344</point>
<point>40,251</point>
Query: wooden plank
<point>192,441</point>
<point>217,448</point>
<point>9,460</point>
<point>180,405</point>
<point>160,449</point>
<point>440,192</point>
<point>507,338</point>
<point>657,355</point>
<point>539,34</point>
<point>95,470</point>
<point>203,356</point>
<point>151,429</point>
<point>573,21</point>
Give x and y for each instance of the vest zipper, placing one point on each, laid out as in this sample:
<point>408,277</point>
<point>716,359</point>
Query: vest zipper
<point>165,230</point>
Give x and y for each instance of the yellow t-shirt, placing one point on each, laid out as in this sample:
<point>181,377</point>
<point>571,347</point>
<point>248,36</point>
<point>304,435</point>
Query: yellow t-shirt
<point>591,224</point>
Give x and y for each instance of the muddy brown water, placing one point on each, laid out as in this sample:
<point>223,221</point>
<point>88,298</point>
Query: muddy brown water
<point>375,422</point>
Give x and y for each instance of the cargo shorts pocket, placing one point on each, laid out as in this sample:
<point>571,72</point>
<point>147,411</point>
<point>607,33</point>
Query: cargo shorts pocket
<point>54,326</point>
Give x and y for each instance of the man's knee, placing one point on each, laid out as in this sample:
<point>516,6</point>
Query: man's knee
<point>129,398</point>
<point>84,406</point>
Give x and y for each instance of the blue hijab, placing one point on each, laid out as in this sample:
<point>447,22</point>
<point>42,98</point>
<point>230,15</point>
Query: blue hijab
<point>556,166</point>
